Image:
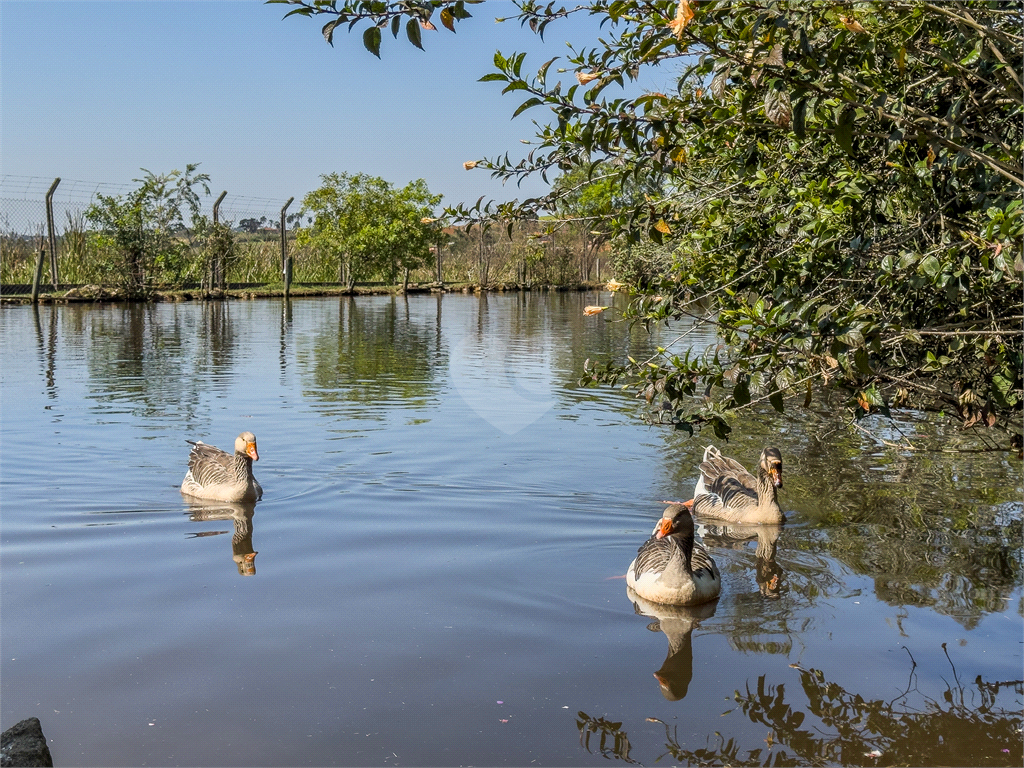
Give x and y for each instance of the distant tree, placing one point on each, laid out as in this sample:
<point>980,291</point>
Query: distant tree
<point>152,228</point>
<point>370,226</point>
<point>251,226</point>
<point>586,204</point>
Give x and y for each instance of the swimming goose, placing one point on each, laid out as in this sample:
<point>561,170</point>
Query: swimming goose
<point>670,568</point>
<point>726,491</point>
<point>214,474</point>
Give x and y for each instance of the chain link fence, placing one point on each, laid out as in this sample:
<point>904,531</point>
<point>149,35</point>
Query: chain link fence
<point>25,228</point>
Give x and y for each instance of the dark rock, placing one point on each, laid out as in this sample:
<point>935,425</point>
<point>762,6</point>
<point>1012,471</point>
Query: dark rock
<point>25,745</point>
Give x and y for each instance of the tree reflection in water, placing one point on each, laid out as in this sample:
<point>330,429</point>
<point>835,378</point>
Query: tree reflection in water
<point>967,727</point>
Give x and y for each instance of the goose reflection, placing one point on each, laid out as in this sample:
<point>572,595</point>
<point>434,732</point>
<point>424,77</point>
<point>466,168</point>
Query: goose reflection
<point>678,623</point>
<point>241,515</point>
<point>767,571</point>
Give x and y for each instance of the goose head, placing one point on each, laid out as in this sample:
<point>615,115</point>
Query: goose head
<point>771,465</point>
<point>675,520</point>
<point>245,444</point>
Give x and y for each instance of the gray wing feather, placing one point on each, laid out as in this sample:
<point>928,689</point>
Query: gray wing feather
<point>653,555</point>
<point>700,560</point>
<point>720,469</point>
<point>209,465</point>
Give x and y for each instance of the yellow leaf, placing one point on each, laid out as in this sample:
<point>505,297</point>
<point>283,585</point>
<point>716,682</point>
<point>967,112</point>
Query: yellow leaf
<point>614,285</point>
<point>852,24</point>
<point>678,154</point>
<point>593,310</point>
<point>448,19</point>
<point>662,227</point>
<point>684,14</point>
<point>469,165</point>
<point>586,77</point>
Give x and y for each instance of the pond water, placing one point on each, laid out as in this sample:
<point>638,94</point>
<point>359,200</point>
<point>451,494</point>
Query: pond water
<point>446,522</point>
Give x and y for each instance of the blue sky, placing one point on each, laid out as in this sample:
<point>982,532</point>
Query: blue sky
<point>95,91</point>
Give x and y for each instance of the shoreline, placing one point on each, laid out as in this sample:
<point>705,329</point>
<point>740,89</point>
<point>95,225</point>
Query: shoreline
<point>72,294</point>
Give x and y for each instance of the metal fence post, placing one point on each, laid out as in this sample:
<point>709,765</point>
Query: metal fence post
<point>284,236</point>
<point>217,271</point>
<point>52,236</point>
<point>37,276</point>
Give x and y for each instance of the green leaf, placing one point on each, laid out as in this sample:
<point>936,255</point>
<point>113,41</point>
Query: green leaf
<point>775,398</point>
<point>328,31</point>
<point>412,31</point>
<point>371,40</point>
<point>844,129</point>
<point>862,360</point>
<point>527,105</point>
<point>800,119</point>
<point>741,392</point>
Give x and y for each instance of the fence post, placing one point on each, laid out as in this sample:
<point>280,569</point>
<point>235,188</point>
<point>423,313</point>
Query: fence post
<point>440,270</point>
<point>52,236</point>
<point>287,276</point>
<point>284,236</point>
<point>38,275</point>
<point>217,272</point>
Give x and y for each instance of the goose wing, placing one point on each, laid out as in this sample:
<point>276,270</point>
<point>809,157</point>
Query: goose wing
<point>719,470</point>
<point>653,556</point>
<point>209,465</point>
<point>700,560</point>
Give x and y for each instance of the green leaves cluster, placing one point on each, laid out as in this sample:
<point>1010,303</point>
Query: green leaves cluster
<point>412,15</point>
<point>371,227</point>
<point>838,183</point>
<point>152,228</point>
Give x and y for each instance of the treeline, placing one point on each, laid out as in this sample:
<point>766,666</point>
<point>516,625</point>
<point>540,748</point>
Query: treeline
<point>353,229</point>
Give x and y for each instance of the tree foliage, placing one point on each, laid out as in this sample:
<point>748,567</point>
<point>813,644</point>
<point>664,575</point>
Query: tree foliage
<point>152,228</point>
<point>371,227</point>
<point>839,184</point>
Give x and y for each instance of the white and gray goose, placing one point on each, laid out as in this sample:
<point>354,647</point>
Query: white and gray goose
<point>221,476</point>
<point>672,568</point>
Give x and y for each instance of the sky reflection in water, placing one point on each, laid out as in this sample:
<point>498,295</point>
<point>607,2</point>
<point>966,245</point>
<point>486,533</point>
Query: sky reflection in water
<point>434,574</point>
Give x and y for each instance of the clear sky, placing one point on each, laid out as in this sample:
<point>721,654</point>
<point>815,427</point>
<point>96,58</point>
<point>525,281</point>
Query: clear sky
<point>94,91</point>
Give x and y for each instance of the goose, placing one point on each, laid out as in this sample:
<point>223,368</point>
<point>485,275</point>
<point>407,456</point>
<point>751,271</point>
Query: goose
<point>670,568</point>
<point>727,491</point>
<point>215,474</point>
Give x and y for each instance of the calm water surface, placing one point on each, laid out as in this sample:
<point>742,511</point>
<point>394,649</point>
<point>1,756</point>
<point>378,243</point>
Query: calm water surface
<point>440,549</point>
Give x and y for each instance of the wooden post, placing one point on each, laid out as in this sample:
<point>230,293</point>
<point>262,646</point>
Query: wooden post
<point>287,276</point>
<point>284,236</point>
<point>38,275</point>
<point>50,232</point>
<point>217,271</point>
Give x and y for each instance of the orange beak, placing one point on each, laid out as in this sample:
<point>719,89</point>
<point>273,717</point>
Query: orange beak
<point>776,475</point>
<point>250,448</point>
<point>664,528</point>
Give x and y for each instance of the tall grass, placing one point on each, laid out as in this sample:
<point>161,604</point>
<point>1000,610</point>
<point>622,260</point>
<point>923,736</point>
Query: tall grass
<point>87,256</point>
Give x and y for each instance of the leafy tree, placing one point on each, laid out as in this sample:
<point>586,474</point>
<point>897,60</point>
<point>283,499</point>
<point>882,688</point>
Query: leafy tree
<point>251,226</point>
<point>588,204</point>
<point>371,227</point>
<point>840,186</point>
<point>148,227</point>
